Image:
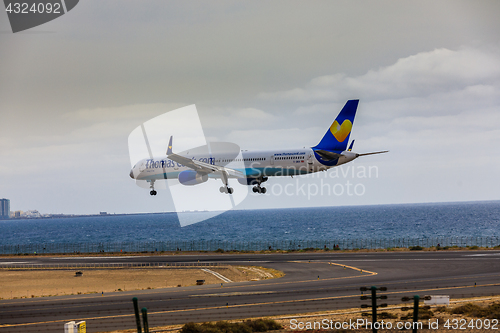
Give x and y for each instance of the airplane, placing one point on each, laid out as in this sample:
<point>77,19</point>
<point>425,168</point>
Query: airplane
<point>253,167</point>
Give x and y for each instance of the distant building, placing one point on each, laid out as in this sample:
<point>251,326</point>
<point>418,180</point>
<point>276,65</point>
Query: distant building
<point>32,214</point>
<point>4,208</point>
<point>17,214</point>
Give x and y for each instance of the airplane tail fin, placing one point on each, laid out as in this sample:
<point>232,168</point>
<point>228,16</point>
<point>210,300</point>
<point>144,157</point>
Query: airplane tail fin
<point>337,136</point>
<point>169,149</point>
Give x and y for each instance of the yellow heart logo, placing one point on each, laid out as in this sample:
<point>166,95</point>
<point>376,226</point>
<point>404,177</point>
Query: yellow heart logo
<point>340,132</point>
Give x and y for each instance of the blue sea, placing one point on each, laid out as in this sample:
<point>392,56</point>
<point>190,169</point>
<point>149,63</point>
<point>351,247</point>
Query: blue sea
<point>420,221</point>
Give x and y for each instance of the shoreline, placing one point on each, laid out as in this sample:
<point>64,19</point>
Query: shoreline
<point>236,252</point>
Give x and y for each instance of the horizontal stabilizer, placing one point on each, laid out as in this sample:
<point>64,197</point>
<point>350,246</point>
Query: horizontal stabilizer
<point>375,152</point>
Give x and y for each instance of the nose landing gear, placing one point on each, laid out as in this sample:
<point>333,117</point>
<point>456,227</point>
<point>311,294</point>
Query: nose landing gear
<point>152,186</point>
<point>226,189</point>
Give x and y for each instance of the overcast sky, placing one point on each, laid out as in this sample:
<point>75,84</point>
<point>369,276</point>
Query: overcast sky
<point>264,75</point>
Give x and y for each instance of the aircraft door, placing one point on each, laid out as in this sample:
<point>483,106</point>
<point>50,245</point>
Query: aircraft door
<point>272,160</point>
<point>310,163</point>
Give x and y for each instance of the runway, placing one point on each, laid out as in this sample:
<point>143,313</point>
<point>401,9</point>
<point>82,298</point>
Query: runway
<point>313,282</point>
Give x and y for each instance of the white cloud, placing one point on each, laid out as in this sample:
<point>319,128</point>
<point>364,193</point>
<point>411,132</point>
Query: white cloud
<point>135,112</point>
<point>254,114</point>
<point>219,121</point>
<point>420,75</point>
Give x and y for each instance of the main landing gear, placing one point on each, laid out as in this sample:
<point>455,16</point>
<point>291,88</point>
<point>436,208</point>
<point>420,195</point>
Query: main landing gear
<point>152,186</point>
<point>257,188</point>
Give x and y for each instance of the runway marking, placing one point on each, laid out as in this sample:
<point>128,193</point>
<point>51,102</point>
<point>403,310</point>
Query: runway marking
<point>80,258</point>
<point>402,259</point>
<point>342,265</point>
<point>240,305</point>
<point>236,293</point>
<point>355,268</point>
<point>14,262</point>
<point>220,276</point>
<point>259,271</point>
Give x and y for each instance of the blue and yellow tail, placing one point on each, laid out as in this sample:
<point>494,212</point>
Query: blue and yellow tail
<point>337,136</point>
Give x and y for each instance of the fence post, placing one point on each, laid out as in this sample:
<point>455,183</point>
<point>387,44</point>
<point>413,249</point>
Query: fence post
<point>137,317</point>
<point>374,306</point>
<point>416,299</point>
<point>145,319</point>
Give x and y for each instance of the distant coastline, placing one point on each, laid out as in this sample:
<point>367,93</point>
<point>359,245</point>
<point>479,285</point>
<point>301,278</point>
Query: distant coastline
<point>54,216</point>
<point>60,216</point>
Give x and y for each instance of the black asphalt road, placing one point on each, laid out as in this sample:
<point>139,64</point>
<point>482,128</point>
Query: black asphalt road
<point>458,274</point>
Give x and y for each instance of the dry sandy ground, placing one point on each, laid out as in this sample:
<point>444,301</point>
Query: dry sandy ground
<point>36,283</point>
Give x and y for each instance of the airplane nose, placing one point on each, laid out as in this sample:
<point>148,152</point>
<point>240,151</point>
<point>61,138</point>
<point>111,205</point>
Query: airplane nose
<point>132,174</point>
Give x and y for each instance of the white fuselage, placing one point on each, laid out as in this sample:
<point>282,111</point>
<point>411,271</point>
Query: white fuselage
<point>252,164</point>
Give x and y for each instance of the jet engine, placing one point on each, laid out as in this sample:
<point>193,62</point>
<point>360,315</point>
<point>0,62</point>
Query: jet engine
<point>251,181</point>
<point>191,177</point>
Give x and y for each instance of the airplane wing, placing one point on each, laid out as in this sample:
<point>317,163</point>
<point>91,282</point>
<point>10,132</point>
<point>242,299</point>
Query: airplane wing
<point>330,155</point>
<point>202,167</point>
